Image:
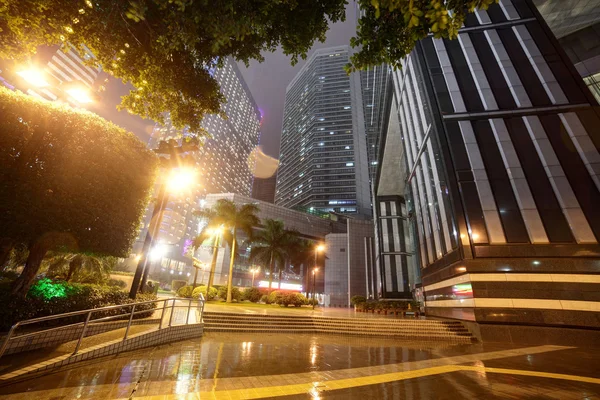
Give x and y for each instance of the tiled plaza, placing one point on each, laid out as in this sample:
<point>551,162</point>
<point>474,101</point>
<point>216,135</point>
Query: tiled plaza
<point>239,366</point>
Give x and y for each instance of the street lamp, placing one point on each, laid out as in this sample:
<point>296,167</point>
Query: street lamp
<point>198,265</point>
<point>319,248</point>
<point>176,179</point>
<point>315,270</point>
<point>34,77</point>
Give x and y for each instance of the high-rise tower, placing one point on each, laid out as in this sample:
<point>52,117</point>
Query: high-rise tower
<point>323,156</point>
<point>488,186</point>
<point>223,162</point>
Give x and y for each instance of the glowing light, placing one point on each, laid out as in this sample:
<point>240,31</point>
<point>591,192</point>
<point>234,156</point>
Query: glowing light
<point>138,257</point>
<point>215,231</point>
<point>47,289</point>
<point>475,236</point>
<point>286,286</point>
<point>158,252</point>
<point>180,178</point>
<point>80,95</point>
<point>34,77</point>
<point>536,263</point>
<point>461,269</point>
<point>320,248</point>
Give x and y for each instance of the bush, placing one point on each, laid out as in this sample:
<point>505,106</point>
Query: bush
<point>355,300</point>
<point>117,283</point>
<point>185,291</point>
<point>265,299</point>
<point>275,297</point>
<point>253,294</point>
<point>48,297</point>
<point>236,294</point>
<point>202,289</point>
<point>177,284</point>
<point>312,302</point>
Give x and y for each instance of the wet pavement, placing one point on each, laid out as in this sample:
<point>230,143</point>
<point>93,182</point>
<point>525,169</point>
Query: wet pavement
<point>236,366</point>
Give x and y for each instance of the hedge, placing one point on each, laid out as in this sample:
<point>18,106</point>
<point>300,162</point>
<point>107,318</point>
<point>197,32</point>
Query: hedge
<point>41,302</point>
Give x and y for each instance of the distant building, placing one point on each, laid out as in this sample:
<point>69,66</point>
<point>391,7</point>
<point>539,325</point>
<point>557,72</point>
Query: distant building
<point>222,163</point>
<point>264,189</point>
<point>345,269</point>
<point>323,156</point>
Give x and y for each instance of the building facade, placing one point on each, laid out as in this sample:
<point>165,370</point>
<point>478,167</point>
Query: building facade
<point>223,164</point>
<point>323,155</point>
<point>264,189</point>
<point>488,185</point>
<point>576,24</point>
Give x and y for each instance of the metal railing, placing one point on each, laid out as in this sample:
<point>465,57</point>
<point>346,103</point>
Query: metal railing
<point>184,303</point>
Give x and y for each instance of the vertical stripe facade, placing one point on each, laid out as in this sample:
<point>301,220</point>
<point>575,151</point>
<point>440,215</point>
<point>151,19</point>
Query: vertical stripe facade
<point>517,179</point>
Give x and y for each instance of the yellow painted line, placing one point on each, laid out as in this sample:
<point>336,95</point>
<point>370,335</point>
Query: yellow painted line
<point>316,387</point>
<point>537,374</point>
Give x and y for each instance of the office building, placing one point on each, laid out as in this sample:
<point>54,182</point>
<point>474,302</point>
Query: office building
<point>576,24</point>
<point>223,163</point>
<point>264,189</point>
<point>376,94</point>
<point>488,186</point>
<point>323,155</point>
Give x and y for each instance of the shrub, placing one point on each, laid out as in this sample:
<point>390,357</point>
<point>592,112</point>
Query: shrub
<point>265,299</point>
<point>312,302</point>
<point>185,291</point>
<point>253,294</point>
<point>77,297</point>
<point>355,300</point>
<point>275,297</point>
<point>236,294</point>
<point>299,300</point>
<point>212,293</point>
<point>176,284</point>
<point>117,283</point>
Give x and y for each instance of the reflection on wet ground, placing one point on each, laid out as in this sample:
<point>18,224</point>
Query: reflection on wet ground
<point>231,366</point>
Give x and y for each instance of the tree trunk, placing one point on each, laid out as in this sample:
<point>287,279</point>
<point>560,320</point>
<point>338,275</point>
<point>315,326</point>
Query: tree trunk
<point>280,271</point>
<point>6,246</point>
<point>230,280</point>
<point>270,273</point>
<point>213,267</point>
<point>74,265</point>
<point>32,266</point>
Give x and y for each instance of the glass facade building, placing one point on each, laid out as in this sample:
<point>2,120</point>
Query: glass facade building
<point>223,161</point>
<point>323,155</point>
<point>488,187</point>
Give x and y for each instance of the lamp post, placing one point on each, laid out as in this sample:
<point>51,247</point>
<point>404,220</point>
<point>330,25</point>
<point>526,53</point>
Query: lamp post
<point>319,248</point>
<point>315,270</point>
<point>179,177</point>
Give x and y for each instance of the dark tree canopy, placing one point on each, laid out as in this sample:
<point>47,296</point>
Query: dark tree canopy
<point>388,30</point>
<point>71,173</point>
<point>166,49</point>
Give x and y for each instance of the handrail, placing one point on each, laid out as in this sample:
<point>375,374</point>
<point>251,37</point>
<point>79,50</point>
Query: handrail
<point>89,312</point>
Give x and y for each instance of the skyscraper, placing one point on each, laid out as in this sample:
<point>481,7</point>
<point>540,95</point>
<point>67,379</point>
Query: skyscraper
<point>323,156</point>
<point>376,93</point>
<point>488,186</point>
<point>223,162</point>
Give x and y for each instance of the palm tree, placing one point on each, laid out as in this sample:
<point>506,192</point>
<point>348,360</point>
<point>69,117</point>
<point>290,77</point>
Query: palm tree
<point>304,254</point>
<point>293,245</point>
<point>271,245</point>
<point>213,231</point>
<point>231,218</point>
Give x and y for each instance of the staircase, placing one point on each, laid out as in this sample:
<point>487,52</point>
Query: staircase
<point>380,327</point>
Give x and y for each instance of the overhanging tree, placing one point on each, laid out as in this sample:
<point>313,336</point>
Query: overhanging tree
<point>166,49</point>
<point>388,30</point>
<point>69,181</point>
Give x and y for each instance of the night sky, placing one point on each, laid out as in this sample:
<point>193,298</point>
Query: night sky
<point>267,82</point>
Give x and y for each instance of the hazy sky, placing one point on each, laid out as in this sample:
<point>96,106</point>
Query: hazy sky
<point>267,82</point>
